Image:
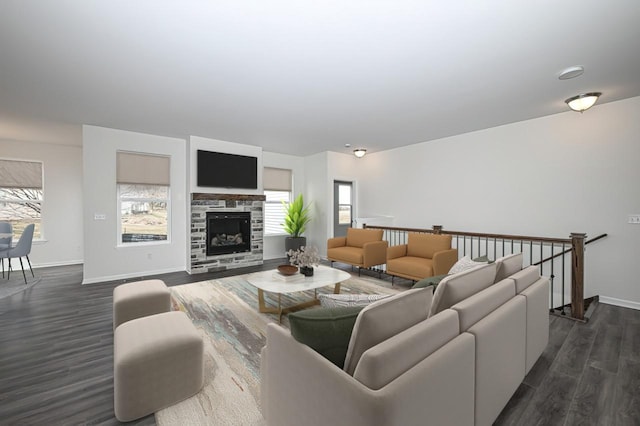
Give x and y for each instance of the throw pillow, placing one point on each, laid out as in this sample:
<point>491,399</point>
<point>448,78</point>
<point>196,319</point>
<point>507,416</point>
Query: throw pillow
<point>464,264</point>
<point>484,259</point>
<point>338,300</point>
<point>385,318</point>
<point>325,330</point>
<point>429,281</point>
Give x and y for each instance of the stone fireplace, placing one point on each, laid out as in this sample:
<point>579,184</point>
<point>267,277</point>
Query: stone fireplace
<point>226,231</point>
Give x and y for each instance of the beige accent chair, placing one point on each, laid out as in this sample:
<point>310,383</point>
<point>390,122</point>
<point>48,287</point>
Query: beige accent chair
<point>424,255</point>
<point>363,248</point>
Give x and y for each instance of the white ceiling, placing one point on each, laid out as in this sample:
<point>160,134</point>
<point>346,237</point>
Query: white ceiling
<point>302,77</point>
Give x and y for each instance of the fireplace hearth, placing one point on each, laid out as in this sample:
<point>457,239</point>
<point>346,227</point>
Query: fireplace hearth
<point>228,232</point>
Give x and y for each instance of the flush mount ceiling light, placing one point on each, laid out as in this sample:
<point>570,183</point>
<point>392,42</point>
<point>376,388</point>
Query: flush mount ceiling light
<point>571,72</point>
<point>583,102</point>
<point>360,152</point>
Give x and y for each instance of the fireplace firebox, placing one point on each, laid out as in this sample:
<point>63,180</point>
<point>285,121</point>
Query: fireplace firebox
<point>228,232</point>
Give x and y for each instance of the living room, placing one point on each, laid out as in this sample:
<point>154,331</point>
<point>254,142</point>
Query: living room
<point>545,171</point>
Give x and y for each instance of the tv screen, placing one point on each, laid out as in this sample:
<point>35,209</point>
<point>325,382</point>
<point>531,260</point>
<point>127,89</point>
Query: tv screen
<point>217,169</point>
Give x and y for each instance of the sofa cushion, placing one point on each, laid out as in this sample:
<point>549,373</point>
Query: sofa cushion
<point>357,237</point>
<point>346,254</point>
<point>474,308</point>
<point>326,330</point>
<point>508,265</point>
<point>426,245</point>
<point>455,288</point>
<point>525,278</point>
<point>464,264</point>
<point>429,281</point>
<point>388,360</point>
<point>412,266</point>
<point>385,318</point>
<point>339,300</point>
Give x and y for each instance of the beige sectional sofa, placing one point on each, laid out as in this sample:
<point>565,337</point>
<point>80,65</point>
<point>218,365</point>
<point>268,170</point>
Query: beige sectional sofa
<point>456,361</point>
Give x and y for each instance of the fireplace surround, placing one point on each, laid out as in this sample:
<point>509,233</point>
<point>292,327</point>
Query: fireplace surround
<point>232,214</point>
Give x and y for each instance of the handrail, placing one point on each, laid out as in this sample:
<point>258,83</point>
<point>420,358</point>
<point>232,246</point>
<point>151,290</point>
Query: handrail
<point>576,242</point>
<point>593,240</point>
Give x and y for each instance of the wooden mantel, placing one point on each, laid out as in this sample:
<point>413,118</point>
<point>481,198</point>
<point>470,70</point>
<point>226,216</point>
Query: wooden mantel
<point>200,196</point>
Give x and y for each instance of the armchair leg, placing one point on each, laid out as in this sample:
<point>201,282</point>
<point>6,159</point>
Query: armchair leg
<point>23,274</point>
<point>358,271</point>
<point>9,270</point>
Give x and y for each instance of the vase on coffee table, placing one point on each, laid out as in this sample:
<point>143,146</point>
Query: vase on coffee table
<point>307,271</point>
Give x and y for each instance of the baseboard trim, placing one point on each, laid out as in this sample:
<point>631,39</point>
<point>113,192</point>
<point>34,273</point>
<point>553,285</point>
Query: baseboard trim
<point>16,264</point>
<point>139,275</point>
<point>619,302</point>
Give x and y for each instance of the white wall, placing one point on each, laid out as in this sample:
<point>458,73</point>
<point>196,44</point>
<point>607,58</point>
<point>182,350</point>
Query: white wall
<point>316,193</point>
<point>550,176</point>
<point>62,207</point>
<point>274,244</point>
<point>104,259</point>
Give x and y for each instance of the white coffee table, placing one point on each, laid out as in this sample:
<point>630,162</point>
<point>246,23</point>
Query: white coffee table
<point>267,281</point>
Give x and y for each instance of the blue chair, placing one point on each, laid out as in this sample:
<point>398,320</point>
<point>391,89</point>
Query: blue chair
<point>22,249</point>
<point>6,234</point>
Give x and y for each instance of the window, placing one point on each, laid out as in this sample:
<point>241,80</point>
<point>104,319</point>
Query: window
<point>277,188</point>
<point>143,197</point>
<point>21,195</point>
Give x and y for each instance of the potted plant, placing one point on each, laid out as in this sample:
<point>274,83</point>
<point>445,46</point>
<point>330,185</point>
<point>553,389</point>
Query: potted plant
<point>295,222</point>
<point>305,258</point>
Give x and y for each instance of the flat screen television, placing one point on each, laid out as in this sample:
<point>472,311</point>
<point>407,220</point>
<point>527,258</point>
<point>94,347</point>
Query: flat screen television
<point>221,170</point>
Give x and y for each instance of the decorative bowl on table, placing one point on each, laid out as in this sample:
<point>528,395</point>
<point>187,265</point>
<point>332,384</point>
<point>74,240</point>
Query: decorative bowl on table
<point>287,269</point>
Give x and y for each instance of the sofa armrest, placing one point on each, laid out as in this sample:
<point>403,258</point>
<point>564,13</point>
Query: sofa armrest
<point>303,387</point>
<point>336,242</point>
<point>396,251</point>
<point>444,260</point>
<point>374,253</point>
<point>300,384</point>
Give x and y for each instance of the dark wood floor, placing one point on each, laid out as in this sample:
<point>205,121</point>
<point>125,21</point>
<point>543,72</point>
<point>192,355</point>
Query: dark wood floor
<point>56,356</point>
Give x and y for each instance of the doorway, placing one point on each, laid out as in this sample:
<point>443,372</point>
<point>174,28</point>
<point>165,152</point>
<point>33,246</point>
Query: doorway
<point>342,207</point>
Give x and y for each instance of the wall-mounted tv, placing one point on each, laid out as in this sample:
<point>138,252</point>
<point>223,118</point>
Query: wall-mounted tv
<point>221,170</point>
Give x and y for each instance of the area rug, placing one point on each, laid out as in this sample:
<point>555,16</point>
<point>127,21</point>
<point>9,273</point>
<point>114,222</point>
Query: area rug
<point>225,311</point>
<point>9,287</point>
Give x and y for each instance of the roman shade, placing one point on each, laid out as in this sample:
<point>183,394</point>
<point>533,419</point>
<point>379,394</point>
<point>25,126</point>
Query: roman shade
<point>276,179</point>
<point>142,169</point>
<point>20,174</point>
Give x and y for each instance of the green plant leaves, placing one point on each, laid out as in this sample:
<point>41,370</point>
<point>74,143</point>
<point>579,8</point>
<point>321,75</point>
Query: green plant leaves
<point>297,216</point>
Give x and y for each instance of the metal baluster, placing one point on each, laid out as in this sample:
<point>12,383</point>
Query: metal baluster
<point>552,262</point>
<point>495,248</point>
<point>563,266</point>
<point>531,252</point>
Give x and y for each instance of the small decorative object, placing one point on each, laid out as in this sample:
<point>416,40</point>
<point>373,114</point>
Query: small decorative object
<point>287,269</point>
<point>305,258</point>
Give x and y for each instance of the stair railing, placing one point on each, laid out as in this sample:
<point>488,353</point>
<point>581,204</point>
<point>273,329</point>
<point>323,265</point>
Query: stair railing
<point>550,254</point>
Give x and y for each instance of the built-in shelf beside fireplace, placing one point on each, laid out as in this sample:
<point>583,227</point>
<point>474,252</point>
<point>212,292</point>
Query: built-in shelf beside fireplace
<point>226,231</point>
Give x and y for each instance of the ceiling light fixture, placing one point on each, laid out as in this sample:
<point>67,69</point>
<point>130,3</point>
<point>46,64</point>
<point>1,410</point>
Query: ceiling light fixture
<point>583,102</point>
<point>571,72</point>
<point>360,152</point>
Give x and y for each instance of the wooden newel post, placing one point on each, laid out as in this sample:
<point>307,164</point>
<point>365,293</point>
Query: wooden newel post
<point>437,229</point>
<point>577,275</point>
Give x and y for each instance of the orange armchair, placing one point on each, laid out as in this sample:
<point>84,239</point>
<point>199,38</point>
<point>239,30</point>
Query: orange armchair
<point>424,255</point>
<point>361,247</point>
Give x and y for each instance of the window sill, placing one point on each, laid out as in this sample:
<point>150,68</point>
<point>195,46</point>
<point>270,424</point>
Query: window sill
<point>143,244</point>
<point>284,234</point>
